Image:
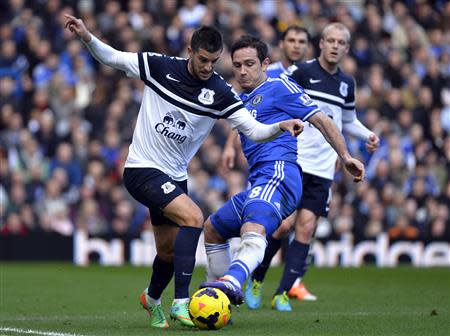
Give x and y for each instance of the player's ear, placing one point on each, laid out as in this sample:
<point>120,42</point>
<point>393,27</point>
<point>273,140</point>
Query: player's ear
<point>190,51</point>
<point>265,63</point>
<point>321,43</point>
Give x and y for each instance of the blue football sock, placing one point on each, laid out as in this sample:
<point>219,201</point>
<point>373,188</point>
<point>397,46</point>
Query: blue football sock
<point>161,276</point>
<point>239,270</point>
<point>273,245</point>
<point>294,266</point>
<point>184,259</point>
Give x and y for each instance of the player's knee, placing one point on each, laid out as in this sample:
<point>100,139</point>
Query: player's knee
<point>193,218</point>
<point>263,214</point>
<point>165,252</point>
<point>211,235</point>
<point>304,231</point>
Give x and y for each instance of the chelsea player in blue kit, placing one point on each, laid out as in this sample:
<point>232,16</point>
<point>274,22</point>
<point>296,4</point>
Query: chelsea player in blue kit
<point>275,177</point>
<point>334,92</point>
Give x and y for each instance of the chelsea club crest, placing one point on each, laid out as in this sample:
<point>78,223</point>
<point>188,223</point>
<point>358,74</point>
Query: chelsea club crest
<point>343,89</point>
<point>257,100</point>
<point>206,97</point>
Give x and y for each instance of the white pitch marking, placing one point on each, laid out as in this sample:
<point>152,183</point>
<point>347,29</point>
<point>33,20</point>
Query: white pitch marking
<point>36,332</point>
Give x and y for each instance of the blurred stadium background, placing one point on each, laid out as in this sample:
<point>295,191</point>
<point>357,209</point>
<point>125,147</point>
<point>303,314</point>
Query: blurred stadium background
<point>66,122</point>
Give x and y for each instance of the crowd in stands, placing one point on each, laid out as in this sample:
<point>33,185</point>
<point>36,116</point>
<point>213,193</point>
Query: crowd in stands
<point>66,121</point>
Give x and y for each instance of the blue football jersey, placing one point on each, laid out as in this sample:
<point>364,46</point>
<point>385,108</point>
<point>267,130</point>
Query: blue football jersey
<point>276,99</point>
<point>274,70</point>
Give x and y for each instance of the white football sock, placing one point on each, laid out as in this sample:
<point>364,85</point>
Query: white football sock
<point>219,259</point>
<point>248,256</point>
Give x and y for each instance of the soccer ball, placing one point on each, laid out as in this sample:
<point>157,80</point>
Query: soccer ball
<point>210,308</point>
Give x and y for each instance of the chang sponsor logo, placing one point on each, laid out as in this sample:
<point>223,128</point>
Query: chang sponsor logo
<point>172,128</point>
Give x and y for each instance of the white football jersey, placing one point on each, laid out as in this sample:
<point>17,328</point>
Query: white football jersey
<point>335,96</point>
<point>177,112</point>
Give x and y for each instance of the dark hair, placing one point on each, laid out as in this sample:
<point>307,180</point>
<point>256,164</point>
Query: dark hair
<point>248,41</point>
<point>297,29</point>
<point>208,38</point>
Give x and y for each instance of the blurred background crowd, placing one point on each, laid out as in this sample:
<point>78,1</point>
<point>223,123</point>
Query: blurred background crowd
<point>66,121</point>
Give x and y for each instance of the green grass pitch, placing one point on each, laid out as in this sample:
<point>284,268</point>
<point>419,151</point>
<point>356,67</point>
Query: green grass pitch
<point>62,299</point>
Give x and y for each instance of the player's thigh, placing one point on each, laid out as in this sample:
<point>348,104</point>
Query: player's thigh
<point>314,203</point>
<point>227,221</point>
<point>166,199</point>
<point>275,192</point>
<point>305,225</point>
<point>316,194</point>
<point>184,211</point>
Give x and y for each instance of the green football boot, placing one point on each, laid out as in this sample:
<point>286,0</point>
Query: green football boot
<point>180,312</point>
<point>157,318</point>
<point>280,302</point>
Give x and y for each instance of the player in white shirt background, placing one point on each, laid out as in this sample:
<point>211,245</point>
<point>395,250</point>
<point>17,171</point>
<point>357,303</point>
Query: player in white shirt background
<point>182,100</point>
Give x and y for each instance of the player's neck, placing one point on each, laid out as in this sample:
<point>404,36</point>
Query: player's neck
<point>191,71</point>
<point>286,63</point>
<point>328,67</point>
<point>262,80</point>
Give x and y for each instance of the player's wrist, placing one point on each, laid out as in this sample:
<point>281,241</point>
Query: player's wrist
<point>281,126</point>
<point>346,158</point>
<point>86,37</point>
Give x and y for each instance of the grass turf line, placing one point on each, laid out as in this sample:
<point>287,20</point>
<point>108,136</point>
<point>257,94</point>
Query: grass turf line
<point>62,298</point>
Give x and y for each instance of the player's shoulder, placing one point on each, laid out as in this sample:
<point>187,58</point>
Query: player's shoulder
<point>345,77</point>
<point>162,63</point>
<point>275,66</point>
<point>218,83</point>
<point>301,71</point>
<point>302,66</point>
<point>283,85</point>
<point>163,57</point>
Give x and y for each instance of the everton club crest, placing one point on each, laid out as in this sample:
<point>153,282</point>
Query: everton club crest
<point>206,97</point>
<point>343,89</point>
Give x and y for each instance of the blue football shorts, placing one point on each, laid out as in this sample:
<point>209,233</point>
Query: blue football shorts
<point>274,193</point>
<point>154,189</point>
<point>316,194</point>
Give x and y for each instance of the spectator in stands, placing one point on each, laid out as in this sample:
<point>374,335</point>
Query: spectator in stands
<point>402,74</point>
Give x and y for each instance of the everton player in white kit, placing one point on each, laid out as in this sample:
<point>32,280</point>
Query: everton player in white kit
<point>275,177</point>
<point>181,101</point>
<point>334,92</point>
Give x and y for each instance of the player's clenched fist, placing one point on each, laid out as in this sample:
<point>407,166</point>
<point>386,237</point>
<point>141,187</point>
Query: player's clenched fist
<point>293,126</point>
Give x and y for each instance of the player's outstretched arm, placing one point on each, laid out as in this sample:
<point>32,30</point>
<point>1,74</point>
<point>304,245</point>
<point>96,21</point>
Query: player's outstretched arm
<point>102,52</point>
<point>334,137</point>
<point>353,126</point>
